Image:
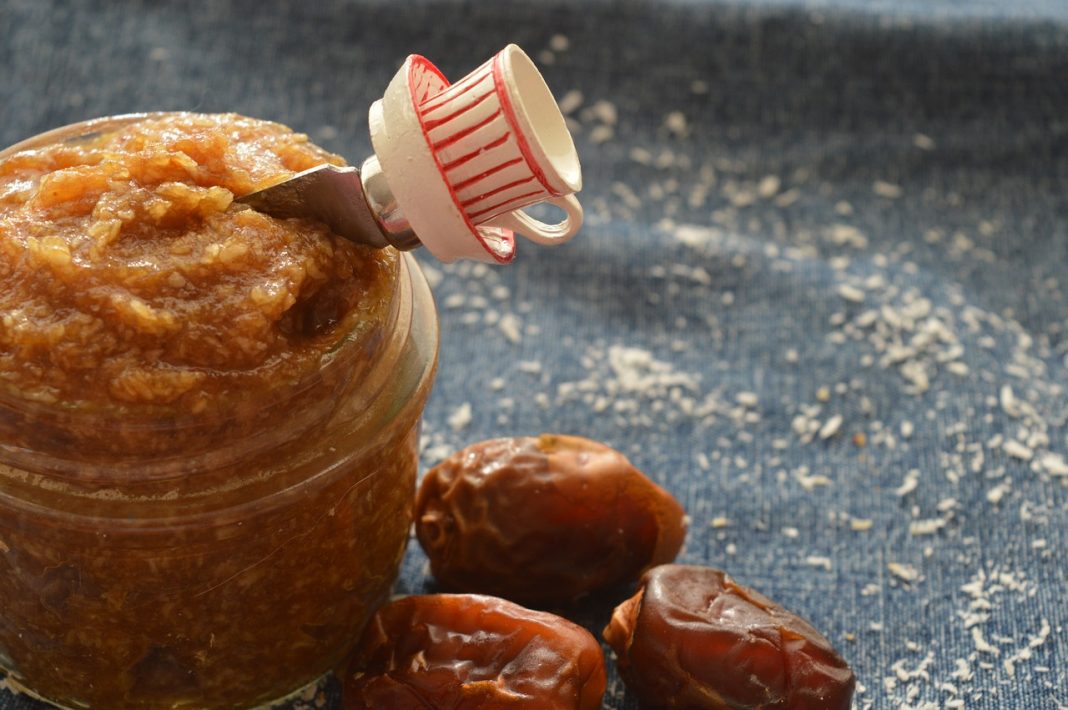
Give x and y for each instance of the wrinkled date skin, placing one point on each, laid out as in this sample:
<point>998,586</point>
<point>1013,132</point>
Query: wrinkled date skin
<point>472,652</point>
<point>543,520</point>
<point>692,637</point>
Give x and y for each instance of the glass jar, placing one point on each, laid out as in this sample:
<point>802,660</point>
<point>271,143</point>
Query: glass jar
<point>217,563</point>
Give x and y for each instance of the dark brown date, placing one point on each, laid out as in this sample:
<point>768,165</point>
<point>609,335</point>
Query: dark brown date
<point>467,652</point>
<point>543,520</point>
<point>692,637</point>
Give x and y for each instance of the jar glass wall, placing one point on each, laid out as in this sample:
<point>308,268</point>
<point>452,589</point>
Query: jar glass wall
<point>230,564</point>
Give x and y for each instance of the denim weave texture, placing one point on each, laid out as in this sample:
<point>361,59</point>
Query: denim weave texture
<point>820,293</point>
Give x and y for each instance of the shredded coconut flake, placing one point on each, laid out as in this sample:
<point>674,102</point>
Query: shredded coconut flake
<point>907,573</point>
<point>818,561</point>
<point>460,417</point>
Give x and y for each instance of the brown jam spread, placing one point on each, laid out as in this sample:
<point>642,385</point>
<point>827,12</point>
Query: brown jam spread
<point>208,418</point>
<point>132,280</point>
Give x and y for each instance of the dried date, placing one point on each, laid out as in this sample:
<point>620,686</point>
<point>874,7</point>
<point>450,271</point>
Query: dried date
<point>692,637</point>
<point>467,652</point>
<point>543,520</point>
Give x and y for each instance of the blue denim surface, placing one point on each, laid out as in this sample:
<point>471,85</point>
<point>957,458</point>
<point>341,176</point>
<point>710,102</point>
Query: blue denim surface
<point>862,215</point>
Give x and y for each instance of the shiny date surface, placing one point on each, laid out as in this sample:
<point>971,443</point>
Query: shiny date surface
<point>543,520</point>
<point>694,638</point>
<point>469,652</point>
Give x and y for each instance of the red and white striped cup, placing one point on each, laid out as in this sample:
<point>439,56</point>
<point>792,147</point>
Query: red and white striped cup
<point>501,142</point>
<point>462,160</point>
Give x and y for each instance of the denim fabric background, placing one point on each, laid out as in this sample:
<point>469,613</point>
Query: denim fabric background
<point>820,295</point>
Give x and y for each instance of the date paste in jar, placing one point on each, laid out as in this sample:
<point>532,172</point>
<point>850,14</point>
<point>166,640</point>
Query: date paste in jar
<point>208,417</point>
<point>131,278</point>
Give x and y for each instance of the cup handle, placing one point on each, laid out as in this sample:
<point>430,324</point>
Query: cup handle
<point>539,232</point>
